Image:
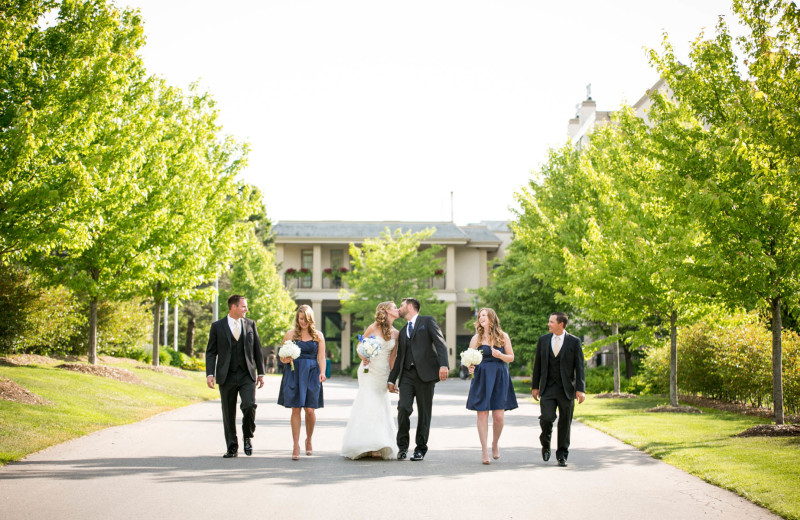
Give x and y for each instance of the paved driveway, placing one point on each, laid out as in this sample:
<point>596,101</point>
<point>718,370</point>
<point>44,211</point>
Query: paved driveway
<point>170,467</point>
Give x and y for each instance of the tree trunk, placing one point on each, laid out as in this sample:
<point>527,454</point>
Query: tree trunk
<point>189,347</point>
<point>615,356</point>
<point>673,359</point>
<point>93,332</point>
<point>777,368</point>
<point>156,330</point>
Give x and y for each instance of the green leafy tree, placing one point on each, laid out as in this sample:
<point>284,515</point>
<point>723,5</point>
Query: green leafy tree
<point>739,170</point>
<point>195,209</point>
<point>636,262</point>
<point>523,302</point>
<point>254,274</point>
<point>59,87</point>
<point>106,267</point>
<point>390,268</point>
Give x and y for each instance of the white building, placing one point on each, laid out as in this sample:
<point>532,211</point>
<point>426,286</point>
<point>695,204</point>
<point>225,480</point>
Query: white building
<point>322,248</point>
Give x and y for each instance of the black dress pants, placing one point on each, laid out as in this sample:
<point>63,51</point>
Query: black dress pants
<point>238,383</point>
<point>412,387</point>
<point>554,397</point>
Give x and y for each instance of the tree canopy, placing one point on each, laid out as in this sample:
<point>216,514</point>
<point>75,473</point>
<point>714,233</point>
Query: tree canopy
<point>389,268</point>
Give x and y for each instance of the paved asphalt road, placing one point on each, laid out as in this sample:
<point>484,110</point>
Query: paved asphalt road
<point>170,467</point>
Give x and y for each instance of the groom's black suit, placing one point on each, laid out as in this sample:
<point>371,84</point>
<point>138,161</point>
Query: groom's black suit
<point>558,378</point>
<point>234,364</point>
<point>419,359</point>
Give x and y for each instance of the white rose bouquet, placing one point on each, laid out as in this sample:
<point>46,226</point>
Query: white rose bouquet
<point>471,357</point>
<point>290,350</point>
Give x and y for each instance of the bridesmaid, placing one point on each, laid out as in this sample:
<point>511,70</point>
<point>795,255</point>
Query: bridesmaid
<point>491,387</point>
<point>302,387</point>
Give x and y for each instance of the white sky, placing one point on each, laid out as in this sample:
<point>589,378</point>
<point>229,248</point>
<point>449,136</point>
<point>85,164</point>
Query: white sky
<point>376,110</point>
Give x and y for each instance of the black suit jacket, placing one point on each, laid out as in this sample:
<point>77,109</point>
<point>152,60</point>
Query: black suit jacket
<point>428,348</point>
<point>572,374</point>
<point>218,352</point>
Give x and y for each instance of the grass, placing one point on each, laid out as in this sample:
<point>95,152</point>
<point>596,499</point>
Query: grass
<point>83,403</point>
<point>765,470</point>
<point>522,386</point>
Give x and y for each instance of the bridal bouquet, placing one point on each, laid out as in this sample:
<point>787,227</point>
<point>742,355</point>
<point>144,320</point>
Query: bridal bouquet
<point>369,348</point>
<point>289,349</point>
<point>471,357</point>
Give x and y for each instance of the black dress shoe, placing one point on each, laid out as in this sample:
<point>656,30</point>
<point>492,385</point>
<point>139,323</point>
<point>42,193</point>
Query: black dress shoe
<point>562,463</point>
<point>230,454</point>
<point>545,454</point>
<point>418,455</point>
<point>248,447</point>
<point>401,455</point>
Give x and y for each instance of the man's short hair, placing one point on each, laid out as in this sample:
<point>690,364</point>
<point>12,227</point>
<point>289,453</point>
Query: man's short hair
<point>413,301</point>
<point>235,299</point>
<point>561,317</point>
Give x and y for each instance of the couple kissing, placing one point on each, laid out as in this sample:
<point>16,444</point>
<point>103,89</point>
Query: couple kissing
<point>409,361</point>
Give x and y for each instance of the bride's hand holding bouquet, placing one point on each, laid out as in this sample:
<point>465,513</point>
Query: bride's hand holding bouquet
<point>367,349</point>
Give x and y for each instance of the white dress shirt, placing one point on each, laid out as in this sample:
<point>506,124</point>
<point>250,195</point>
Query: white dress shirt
<point>561,339</point>
<point>232,323</point>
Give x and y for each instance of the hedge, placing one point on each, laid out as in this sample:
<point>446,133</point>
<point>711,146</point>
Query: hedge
<point>729,360</point>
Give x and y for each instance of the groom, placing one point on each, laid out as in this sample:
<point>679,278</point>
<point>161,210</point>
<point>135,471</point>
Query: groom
<point>422,359</point>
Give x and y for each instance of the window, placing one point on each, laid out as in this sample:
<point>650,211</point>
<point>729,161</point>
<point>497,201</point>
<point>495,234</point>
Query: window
<point>336,259</point>
<point>306,266</point>
<point>336,265</point>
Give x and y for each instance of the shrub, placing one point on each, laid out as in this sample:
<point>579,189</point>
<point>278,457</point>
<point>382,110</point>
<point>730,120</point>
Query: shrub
<point>195,364</point>
<point>164,356</point>
<point>136,353</point>
<point>38,320</point>
<point>122,326</point>
<point>728,358</point>
<point>601,380</point>
<point>655,369</point>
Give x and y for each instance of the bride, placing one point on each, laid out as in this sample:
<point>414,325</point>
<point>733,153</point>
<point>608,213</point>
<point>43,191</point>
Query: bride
<point>372,428</point>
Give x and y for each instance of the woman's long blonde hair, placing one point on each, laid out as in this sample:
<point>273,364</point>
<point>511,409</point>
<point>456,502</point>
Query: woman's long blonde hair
<point>495,333</point>
<point>382,319</point>
<point>308,313</point>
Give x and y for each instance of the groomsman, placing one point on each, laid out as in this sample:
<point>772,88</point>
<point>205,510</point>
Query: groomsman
<point>234,360</point>
<point>558,378</point>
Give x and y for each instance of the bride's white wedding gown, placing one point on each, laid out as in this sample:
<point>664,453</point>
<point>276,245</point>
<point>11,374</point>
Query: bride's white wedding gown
<point>372,425</point>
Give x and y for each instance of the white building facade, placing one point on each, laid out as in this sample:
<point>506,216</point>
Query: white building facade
<point>312,253</point>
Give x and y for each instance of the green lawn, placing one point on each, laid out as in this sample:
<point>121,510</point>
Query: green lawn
<point>765,470</point>
<point>86,403</point>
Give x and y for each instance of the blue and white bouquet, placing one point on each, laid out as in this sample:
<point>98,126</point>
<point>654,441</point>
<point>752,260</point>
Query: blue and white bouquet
<point>369,348</point>
<point>290,350</point>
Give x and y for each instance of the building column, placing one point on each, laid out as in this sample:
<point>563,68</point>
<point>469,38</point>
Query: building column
<point>450,273</point>
<point>279,254</point>
<point>450,326</point>
<point>316,268</point>
<point>348,324</point>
